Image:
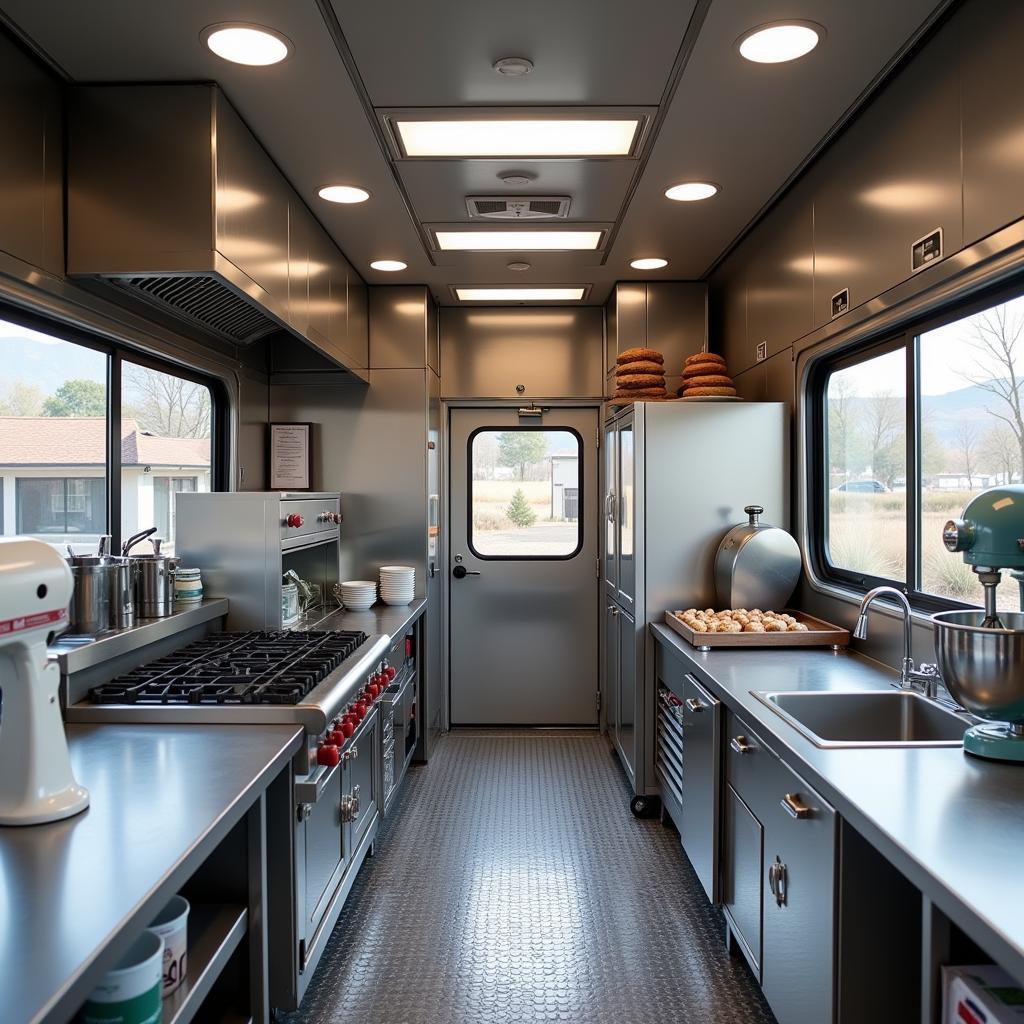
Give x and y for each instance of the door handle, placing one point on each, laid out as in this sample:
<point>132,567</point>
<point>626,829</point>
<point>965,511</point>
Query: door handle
<point>613,609</point>
<point>794,806</point>
<point>460,572</point>
<point>609,506</point>
<point>695,706</point>
<point>740,745</point>
<point>777,881</point>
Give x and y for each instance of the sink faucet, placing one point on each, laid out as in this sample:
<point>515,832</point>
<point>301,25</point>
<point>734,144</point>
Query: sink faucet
<point>925,679</point>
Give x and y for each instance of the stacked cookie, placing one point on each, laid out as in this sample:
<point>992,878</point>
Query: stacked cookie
<point>639,375</point>
<point>705,376</point>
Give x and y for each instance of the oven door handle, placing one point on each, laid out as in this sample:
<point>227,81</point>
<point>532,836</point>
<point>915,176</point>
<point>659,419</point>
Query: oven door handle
<point>311,788</point>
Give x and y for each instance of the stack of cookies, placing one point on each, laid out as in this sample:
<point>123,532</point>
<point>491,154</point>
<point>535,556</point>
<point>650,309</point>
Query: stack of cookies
<point>639,375</point>
<point>705,376</point>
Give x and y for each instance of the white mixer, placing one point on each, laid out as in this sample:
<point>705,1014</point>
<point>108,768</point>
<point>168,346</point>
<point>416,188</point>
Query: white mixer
<point>36,782</point>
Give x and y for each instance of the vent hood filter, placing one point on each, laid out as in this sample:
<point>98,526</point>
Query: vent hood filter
<point>518,207</point>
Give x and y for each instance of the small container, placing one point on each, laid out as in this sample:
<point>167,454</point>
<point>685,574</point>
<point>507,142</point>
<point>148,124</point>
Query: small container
<point>171,924</point>
<point>188,586</point>
<point>130,993</point>
<point>289,604</point>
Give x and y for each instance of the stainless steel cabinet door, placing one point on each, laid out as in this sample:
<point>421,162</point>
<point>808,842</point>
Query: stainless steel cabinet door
<point>625,509</point>
<point>741,876</point>
<point>626,711</point>
<point>698,829</point>
<point>361,775</point>
<point>610,485</point>
<point>799,902</point>
<point>325,851</point>
<point>610,670</point>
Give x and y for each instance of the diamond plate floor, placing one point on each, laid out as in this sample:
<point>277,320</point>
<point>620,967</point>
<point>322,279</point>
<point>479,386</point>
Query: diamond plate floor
<point>511,884</point>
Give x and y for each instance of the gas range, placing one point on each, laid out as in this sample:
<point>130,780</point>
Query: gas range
<point>301,677</point>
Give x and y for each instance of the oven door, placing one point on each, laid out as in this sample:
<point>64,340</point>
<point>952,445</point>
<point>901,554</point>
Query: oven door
<point>325,854</point>
<point>362,775</point>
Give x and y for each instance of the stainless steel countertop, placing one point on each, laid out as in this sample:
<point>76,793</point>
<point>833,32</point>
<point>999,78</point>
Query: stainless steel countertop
<point>381,618</point>
<point>76,657</point>
<point>76,892</point>
<point>952,823</point>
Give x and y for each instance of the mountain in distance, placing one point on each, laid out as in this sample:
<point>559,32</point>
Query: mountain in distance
<point>945,414</point>
<point>47,366</point>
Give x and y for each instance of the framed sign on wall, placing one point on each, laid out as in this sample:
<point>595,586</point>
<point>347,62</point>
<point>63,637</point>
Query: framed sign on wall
<point>290,457</point>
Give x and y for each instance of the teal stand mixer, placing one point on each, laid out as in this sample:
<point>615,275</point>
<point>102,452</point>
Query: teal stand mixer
<point>981,654</point>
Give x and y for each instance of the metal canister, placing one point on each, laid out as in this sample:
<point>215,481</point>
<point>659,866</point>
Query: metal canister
<point>122,593</point>
<point>154,585</point>
<point>757,565</point>
<point>89,613</point>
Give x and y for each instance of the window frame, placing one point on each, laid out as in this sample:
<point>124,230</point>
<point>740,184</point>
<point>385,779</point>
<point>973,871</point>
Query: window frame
<point>537,428</point>
<point>117,353</point>
<point>908,338</point>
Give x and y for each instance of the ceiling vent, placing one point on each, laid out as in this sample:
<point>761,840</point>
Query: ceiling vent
<point>518,207</point>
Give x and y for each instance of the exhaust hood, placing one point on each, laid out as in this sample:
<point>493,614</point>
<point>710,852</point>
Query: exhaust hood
<point>171,198</point>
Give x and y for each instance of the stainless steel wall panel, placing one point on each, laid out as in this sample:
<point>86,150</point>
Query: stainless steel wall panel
<point>992,90</point>
<point>727,313</point>
<point>31,161</point>
<point>630,300</point>
<point>369,444</point>
<point>554,352</point>
<point>780,281</point>
<point>399,331</point>
<point>433,336</point>
<point>677,323</point>
<point>358,330</point>
<point>892,178</point>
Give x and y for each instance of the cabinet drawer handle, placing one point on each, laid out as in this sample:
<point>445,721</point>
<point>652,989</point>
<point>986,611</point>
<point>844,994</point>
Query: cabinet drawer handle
<point>694,705</point>
<point>777,881</point>
<point>794,807</point>
<point>740,745</point>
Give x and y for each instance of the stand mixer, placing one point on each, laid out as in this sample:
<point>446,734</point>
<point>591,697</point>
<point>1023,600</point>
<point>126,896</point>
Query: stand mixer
<point>36,782</point>
<point>981,655</point>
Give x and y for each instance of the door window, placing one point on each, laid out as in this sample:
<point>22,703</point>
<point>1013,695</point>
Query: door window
<point>525,493</point>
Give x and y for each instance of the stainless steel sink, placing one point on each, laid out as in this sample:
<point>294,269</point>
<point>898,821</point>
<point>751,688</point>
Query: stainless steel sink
<point>870,718</point>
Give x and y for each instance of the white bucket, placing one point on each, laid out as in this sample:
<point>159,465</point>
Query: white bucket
<point>130,993</point>
<point>171,924</point>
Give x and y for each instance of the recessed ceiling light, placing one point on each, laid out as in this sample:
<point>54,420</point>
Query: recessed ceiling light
<point>514,67</point>
<point>779,41</point>
<point>516,180</point>
<point>517,241</point>
<point>388,265</point>
<point>651,263</point>
<point>691,191</point>
<point>519,294</point>
<point>240,43</point>
<point>515,137</point>
<point>518,265</point>
<point>343,194</point>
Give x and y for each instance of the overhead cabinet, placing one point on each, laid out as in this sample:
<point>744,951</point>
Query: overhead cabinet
<point>172,198</point>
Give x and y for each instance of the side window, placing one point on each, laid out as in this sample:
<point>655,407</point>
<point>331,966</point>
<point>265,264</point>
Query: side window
<point>525,493</point>
<point>53,439</point>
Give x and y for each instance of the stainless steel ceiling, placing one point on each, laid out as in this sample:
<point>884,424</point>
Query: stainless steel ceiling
<point>745,126</point>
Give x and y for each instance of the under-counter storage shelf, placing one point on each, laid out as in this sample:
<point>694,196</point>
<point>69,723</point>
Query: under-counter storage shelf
<point>214,933</point>
<point>669,761</point>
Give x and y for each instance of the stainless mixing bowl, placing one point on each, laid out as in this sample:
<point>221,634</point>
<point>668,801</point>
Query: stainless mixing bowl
<point>983,668</point>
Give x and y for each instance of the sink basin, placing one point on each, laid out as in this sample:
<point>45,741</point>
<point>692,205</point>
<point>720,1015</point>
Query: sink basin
<point>868,718</point>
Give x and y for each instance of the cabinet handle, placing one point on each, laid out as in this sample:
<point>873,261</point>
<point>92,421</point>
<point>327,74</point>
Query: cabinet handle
<point>694,705</point>
<point>794,807</point>
<point>609,506</point>
<point>613,609</point>
<point>740,745</point>
<point>777,881</point>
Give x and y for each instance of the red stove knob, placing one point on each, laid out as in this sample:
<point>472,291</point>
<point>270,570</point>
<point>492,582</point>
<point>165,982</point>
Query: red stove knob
<point>348,727</point>
<point>391,672</point>
<point>374,691</point>
<point>294,520</point>
<point>337,737</point>
<point>361,709</point>
<point>408,646</point>
<point>328,755</point>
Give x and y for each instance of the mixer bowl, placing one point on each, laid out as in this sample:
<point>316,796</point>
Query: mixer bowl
<point>983,668</point>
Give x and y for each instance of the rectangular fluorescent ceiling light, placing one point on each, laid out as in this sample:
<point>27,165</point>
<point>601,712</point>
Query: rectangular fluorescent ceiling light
<point>517,138</point>
<point>519,294</point>
<point>517,241</point>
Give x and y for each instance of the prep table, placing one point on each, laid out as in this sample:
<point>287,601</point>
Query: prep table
<point>952,824</point>
<point>76,893</point>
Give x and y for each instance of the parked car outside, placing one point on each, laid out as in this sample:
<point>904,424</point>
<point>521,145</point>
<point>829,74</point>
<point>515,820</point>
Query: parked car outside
<point>863,487</point>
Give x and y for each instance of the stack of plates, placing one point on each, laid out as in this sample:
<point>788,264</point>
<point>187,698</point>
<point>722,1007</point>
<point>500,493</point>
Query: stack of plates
<point>397,584</point>
<point>358,595</point>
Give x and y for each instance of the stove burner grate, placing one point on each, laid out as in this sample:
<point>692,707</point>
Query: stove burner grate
<point>235,668</point>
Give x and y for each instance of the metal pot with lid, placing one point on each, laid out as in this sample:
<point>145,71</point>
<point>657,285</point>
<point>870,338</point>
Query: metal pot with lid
<point>757,565</point>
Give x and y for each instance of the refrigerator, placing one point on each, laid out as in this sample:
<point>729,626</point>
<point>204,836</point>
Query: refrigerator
<point>675,478</point>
